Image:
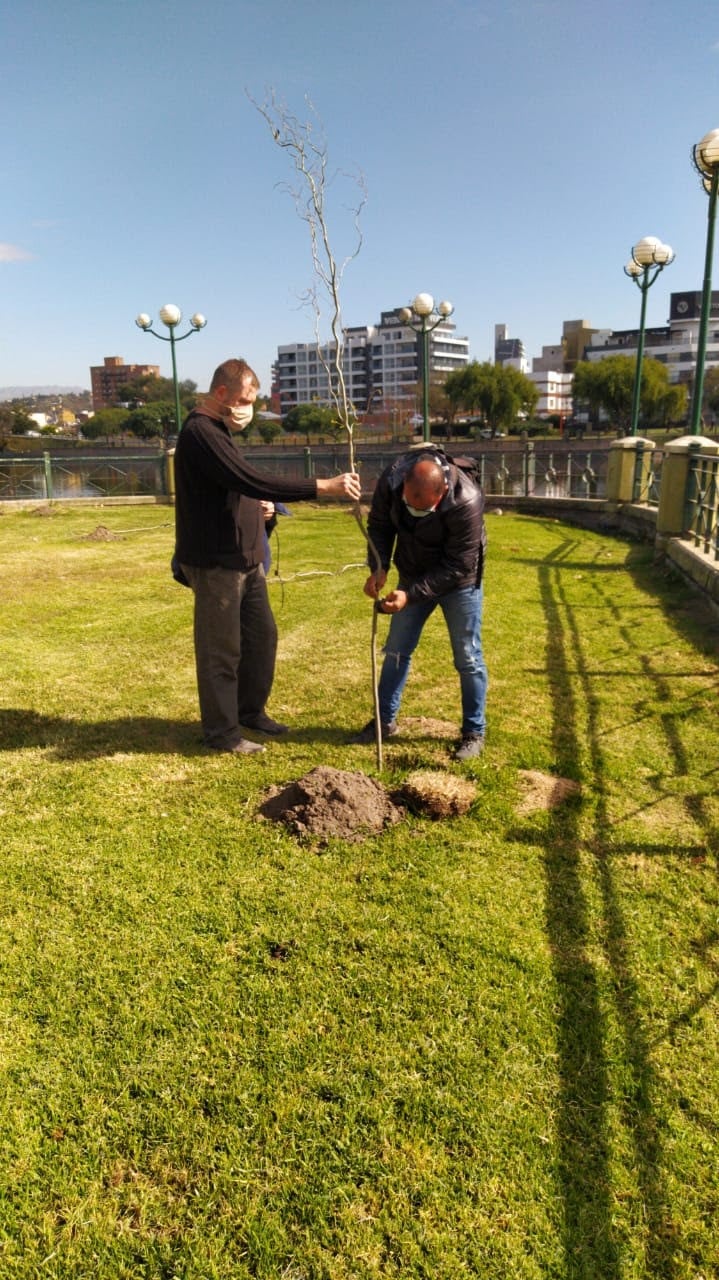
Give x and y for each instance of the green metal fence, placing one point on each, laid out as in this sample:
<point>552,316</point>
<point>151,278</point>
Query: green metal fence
<point>647,482</point>
<point>506,470</point>
<point>702,503</point>
<point>47,478</point>
<point>518,469</point>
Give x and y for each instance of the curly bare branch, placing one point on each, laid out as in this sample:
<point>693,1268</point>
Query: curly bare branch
<point>306,144</point>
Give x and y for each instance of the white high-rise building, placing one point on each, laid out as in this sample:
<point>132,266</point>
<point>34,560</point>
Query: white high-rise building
<point>300,372</point>
<point>382,364</point>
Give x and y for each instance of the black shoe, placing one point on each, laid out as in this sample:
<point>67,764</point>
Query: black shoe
<point>471,746</point>
<point>243,747</point>
<point>260,723</point>
<point>369,733</point>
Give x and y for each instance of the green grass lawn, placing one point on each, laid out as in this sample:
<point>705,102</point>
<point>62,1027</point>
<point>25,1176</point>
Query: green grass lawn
<point>479,1048</point>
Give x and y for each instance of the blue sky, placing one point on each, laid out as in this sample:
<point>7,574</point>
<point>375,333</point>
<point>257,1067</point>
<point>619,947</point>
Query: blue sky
<point>512,150</point>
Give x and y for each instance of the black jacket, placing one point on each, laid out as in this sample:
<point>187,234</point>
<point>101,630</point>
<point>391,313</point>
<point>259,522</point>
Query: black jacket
<point>216,520</point>
<point>434,554</point>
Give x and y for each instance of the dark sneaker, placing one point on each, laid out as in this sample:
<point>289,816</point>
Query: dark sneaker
<point>261,723</point>
<point>369,733</point>
<point>471,746</point>
<point>243,747</point>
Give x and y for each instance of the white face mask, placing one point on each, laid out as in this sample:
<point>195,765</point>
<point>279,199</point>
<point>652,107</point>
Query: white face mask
<point>417,512</point>
<point>240,416</point>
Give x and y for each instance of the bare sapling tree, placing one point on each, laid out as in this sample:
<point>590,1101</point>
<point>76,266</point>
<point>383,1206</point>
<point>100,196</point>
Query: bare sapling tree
<point>305,143</point>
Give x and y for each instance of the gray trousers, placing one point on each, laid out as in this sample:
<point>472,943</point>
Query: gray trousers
<point>235,648</point>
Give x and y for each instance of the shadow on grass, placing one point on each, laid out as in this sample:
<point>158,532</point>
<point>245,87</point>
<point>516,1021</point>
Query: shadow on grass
<point>22,729</point>
<point>687,608</point>
<point>593,1245</point>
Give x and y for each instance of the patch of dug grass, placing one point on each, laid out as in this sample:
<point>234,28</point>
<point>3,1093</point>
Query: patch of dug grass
<point>478,1047</point>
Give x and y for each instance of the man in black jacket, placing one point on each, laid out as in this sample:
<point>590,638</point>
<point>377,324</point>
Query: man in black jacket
<point>220,548</point>
<point>428,514</point>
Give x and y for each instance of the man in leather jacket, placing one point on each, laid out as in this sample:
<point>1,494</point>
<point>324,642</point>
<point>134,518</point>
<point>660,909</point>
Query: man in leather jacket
<point>427,515</point>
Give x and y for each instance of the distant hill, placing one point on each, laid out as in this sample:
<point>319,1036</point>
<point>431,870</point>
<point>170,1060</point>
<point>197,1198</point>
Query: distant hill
<point>20,393</point>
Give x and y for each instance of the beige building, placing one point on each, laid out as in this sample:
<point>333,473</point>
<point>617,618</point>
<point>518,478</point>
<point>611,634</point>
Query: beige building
<point>108,379</point>
<point>576,335</point>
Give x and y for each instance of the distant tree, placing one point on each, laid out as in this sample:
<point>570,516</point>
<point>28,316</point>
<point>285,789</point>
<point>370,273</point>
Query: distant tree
<point>608,385</point>
<point>145,422</point>
<point>711,391</point>
<point>165,410</point>
<point>5,422</point>
<point>269,429</point>
<point>441,408</point>
<point>147,389</point>
<point>661,402</point>
<point>591,389</point>
<point>106,422</point>
<point>496,392</point>
<point>21,421</point>
<point>312,419</point>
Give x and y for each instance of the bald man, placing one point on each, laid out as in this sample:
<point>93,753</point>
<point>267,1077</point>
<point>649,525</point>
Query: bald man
<point>427,516</point>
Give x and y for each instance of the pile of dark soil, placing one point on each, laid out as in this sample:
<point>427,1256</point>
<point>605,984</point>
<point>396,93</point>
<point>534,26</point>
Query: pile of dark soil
<point>102,534</point>
<point>332,802</point>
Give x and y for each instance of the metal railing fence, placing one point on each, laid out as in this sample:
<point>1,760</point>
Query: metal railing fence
<point>647,475</point>
<point>512,470</point>
<point>47,478</point>
<point>523,471</point>
<point>701,516</point>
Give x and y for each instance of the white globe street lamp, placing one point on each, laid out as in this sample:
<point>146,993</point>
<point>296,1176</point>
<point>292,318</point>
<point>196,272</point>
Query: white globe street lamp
<point>429,317</point>
<point>171,316</point>
<point>705,156</point>
<point>649,257</point>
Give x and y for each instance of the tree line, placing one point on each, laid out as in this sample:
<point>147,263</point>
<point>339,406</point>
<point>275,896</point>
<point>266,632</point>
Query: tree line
<point>497,398</point>
<point>500,399</point>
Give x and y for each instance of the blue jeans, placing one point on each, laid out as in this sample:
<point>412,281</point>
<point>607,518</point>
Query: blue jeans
<point>462,611</point>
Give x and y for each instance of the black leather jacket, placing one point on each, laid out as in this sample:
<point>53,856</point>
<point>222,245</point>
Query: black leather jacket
<point>437,553</point>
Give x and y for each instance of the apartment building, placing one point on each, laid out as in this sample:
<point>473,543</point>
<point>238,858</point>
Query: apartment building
<point>674,344</point>
<point>555,391</point>
<point>509,350</point>
<point>108,379</point>
<point>382,364</point>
